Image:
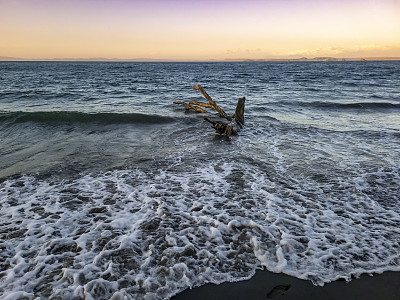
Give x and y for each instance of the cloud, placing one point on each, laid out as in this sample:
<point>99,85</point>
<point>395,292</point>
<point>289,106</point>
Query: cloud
<point>345,52</point>
<point>354,51</point>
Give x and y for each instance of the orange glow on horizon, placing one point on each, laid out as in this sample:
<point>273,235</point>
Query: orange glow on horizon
<point>201,29</point>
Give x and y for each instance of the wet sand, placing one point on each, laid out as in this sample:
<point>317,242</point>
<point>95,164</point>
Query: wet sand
<point>268,285</point>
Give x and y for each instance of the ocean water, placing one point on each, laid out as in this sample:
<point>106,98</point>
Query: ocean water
<point>110,191</point>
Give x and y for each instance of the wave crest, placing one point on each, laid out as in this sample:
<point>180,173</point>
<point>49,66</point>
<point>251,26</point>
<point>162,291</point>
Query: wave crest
<point>62,117</point>
<point>342,106</point>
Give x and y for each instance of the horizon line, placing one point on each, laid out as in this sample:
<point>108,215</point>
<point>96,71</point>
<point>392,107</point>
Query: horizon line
<point>103,59</point>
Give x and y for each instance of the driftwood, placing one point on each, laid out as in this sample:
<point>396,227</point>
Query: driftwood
<point>189,106</point>
<point>221,127</point>
<point>211,102</point>
<point>239,112</point>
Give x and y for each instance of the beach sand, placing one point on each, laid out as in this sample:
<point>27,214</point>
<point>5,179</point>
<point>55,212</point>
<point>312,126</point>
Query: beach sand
<point>268,285</point>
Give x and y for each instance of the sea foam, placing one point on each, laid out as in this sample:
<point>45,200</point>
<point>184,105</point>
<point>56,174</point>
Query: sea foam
<point>148,235</point>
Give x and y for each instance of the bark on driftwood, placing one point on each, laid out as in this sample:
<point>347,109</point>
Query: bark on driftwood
<point>211,102</point>
<point>189,106</point>
<point>221,127</point>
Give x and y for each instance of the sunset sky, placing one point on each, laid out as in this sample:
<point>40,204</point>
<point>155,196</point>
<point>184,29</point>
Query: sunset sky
<point>199,29</point>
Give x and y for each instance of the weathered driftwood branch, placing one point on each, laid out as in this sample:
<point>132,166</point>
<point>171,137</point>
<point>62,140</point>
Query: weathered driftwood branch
<point>222,128</point>
<point>239,112</point>
<point>201,104</point>
<point>211,102</point>
<point>190,106</point>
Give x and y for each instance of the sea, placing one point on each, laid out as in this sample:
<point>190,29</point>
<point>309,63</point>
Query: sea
<point>108,190</point>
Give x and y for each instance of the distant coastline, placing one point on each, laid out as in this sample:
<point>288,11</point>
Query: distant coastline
<point>101,59</point>
<point>327,58</point>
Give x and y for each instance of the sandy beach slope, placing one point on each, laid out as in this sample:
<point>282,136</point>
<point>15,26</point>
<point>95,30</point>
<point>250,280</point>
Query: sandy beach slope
<point>268,285</point>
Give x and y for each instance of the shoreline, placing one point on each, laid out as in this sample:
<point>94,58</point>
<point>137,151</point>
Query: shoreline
<point>268,285</point>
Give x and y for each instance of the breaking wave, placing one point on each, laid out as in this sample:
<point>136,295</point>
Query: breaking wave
<point>342,106</point>
<point>62,117</point>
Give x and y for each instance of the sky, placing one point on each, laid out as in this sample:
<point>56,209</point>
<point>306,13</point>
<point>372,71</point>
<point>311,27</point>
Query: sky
<point>199,29</point>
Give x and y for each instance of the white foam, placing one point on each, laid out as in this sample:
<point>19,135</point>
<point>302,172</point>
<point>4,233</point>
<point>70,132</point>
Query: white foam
<point>126,234</point>
<point>17,295</point>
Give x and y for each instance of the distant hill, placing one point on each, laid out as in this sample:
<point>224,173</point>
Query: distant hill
<point>6,58</point>
<point>319,59</point>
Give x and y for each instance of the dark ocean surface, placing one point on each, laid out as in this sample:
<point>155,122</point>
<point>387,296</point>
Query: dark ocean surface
<point>107,189</point>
